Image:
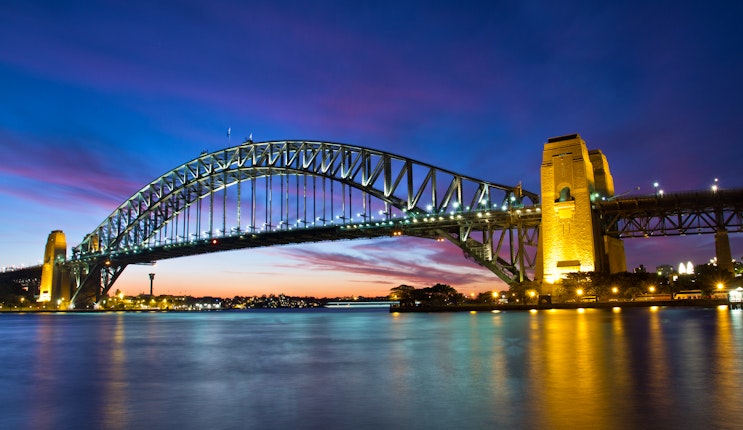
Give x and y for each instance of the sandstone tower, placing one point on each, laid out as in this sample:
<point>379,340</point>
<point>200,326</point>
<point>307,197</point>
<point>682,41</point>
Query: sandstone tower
<point>573,179</point>
<point>55,283</point>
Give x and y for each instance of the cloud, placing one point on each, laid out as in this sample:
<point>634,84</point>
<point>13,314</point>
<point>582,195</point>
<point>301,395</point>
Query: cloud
<point>412,261</point>
<point>66,172</point>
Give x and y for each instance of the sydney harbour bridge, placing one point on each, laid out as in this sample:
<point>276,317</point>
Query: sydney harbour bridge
<point>260,194</point>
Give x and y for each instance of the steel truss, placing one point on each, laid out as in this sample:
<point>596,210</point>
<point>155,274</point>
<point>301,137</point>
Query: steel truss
<point>674,214</point>
<point>268,193</point>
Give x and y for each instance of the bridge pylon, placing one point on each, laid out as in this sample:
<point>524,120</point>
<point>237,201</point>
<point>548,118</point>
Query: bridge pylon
<point>571,237</point>
<point>55,280</point>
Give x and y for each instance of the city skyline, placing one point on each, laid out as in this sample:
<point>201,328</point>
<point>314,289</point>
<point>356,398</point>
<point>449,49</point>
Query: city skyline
<point>103,97</point>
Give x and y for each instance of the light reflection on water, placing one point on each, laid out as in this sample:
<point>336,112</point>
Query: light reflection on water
<point>328,369</point>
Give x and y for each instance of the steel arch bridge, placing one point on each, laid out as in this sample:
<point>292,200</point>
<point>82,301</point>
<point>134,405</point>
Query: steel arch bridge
<point>285,192</point>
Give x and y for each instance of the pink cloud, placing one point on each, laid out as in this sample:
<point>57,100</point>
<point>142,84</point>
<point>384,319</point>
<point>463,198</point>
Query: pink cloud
<point>75,176</point>
<point>413,261</point>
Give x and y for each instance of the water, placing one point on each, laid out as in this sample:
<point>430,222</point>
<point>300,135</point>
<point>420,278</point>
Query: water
<point>358,369</point>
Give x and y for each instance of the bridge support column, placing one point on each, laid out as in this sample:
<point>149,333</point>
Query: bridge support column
<point>55,280</point>
<point>722,252</point>
<point>93,280</point>
<point>571,238</point>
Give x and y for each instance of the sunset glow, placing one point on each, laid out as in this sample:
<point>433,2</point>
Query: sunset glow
<point>99,99</point>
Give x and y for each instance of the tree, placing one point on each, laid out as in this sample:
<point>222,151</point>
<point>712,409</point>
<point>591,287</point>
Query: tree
<point>708,276</point>
<point>525,291</point>
<point>442,294</point>
<point>580,281</point>
<point>486,297</point>
<point>13,294</point>
<point>405,294</point>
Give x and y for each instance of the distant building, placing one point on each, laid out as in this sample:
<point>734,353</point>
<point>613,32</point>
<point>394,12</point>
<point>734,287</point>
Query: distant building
<point>641,269</point>
<point>665,271</point>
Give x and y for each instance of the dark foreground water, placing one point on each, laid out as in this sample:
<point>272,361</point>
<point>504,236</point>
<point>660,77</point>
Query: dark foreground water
<point>340,369</point>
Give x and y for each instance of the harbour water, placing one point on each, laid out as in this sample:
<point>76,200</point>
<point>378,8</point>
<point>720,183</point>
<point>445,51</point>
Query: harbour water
<point>645,368</point>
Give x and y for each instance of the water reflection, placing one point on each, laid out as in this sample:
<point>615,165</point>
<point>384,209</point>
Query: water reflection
<point>44,393</point>
<point>608,369</point>
<point>575,366</point>
<point>114,377</point>
<point>590,370</point>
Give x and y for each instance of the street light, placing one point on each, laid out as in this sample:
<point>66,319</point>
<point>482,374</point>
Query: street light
<point>655,185</point>
<point>715,186</point>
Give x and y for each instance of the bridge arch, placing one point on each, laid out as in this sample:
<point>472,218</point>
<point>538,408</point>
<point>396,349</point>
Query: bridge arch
<point>261,188</point>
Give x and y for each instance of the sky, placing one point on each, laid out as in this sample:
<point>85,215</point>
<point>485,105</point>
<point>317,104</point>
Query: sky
<point>101,97</point>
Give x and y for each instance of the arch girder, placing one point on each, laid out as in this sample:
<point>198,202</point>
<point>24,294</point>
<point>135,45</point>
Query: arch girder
<point>397,181</point>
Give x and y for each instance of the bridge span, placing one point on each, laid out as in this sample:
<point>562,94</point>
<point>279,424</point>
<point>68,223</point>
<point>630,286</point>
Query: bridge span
<point>260,194</point>
<point>673,214</point>
<point>272,193</point>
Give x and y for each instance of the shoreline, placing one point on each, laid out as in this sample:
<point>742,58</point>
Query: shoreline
<point>474,307</point>
<point>91,311</point>
<point>586,305</point>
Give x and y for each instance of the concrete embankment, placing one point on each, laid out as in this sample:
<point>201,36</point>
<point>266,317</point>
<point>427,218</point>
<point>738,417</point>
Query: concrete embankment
<point>587,305</point>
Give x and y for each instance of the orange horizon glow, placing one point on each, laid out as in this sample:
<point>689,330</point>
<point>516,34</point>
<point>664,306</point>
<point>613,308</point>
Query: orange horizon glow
<point>362,268</point>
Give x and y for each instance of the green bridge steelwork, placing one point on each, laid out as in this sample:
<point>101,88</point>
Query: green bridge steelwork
<point>288,192</point>
<point>673,214</point>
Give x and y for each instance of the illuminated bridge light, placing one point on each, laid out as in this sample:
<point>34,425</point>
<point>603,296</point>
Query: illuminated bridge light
<point>384,213</point>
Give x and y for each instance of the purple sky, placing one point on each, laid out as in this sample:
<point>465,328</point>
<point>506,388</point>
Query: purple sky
<point>101,97</point>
